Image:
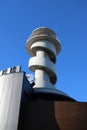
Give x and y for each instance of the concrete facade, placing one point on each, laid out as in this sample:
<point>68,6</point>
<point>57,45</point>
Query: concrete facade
<point>14,91</point>
<point>10,96</point>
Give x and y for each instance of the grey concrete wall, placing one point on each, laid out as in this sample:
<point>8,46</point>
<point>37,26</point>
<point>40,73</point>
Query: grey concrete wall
<point>10,96</point>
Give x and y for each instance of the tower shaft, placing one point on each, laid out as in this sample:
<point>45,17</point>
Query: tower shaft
<point>44,47</point>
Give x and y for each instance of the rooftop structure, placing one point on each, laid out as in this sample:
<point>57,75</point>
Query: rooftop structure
<point>44,47</point>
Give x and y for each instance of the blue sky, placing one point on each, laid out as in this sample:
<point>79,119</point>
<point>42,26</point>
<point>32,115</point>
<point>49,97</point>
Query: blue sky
<point>68,18</point>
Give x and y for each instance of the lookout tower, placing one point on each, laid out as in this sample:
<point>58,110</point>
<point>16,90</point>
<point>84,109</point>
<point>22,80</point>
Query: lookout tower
<point>44,47</point>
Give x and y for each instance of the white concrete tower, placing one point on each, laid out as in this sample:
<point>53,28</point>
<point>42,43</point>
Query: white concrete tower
<point>43,46</point>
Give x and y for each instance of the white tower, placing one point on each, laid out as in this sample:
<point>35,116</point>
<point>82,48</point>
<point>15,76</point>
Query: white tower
<point>44,47</point>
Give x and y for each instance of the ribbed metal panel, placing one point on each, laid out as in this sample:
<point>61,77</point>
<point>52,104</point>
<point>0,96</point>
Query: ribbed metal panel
<point>10,96</point>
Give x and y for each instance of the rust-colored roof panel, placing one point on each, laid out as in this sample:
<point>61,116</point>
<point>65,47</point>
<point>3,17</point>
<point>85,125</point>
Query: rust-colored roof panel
<point>51,115</point>
<point>71,115</point>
